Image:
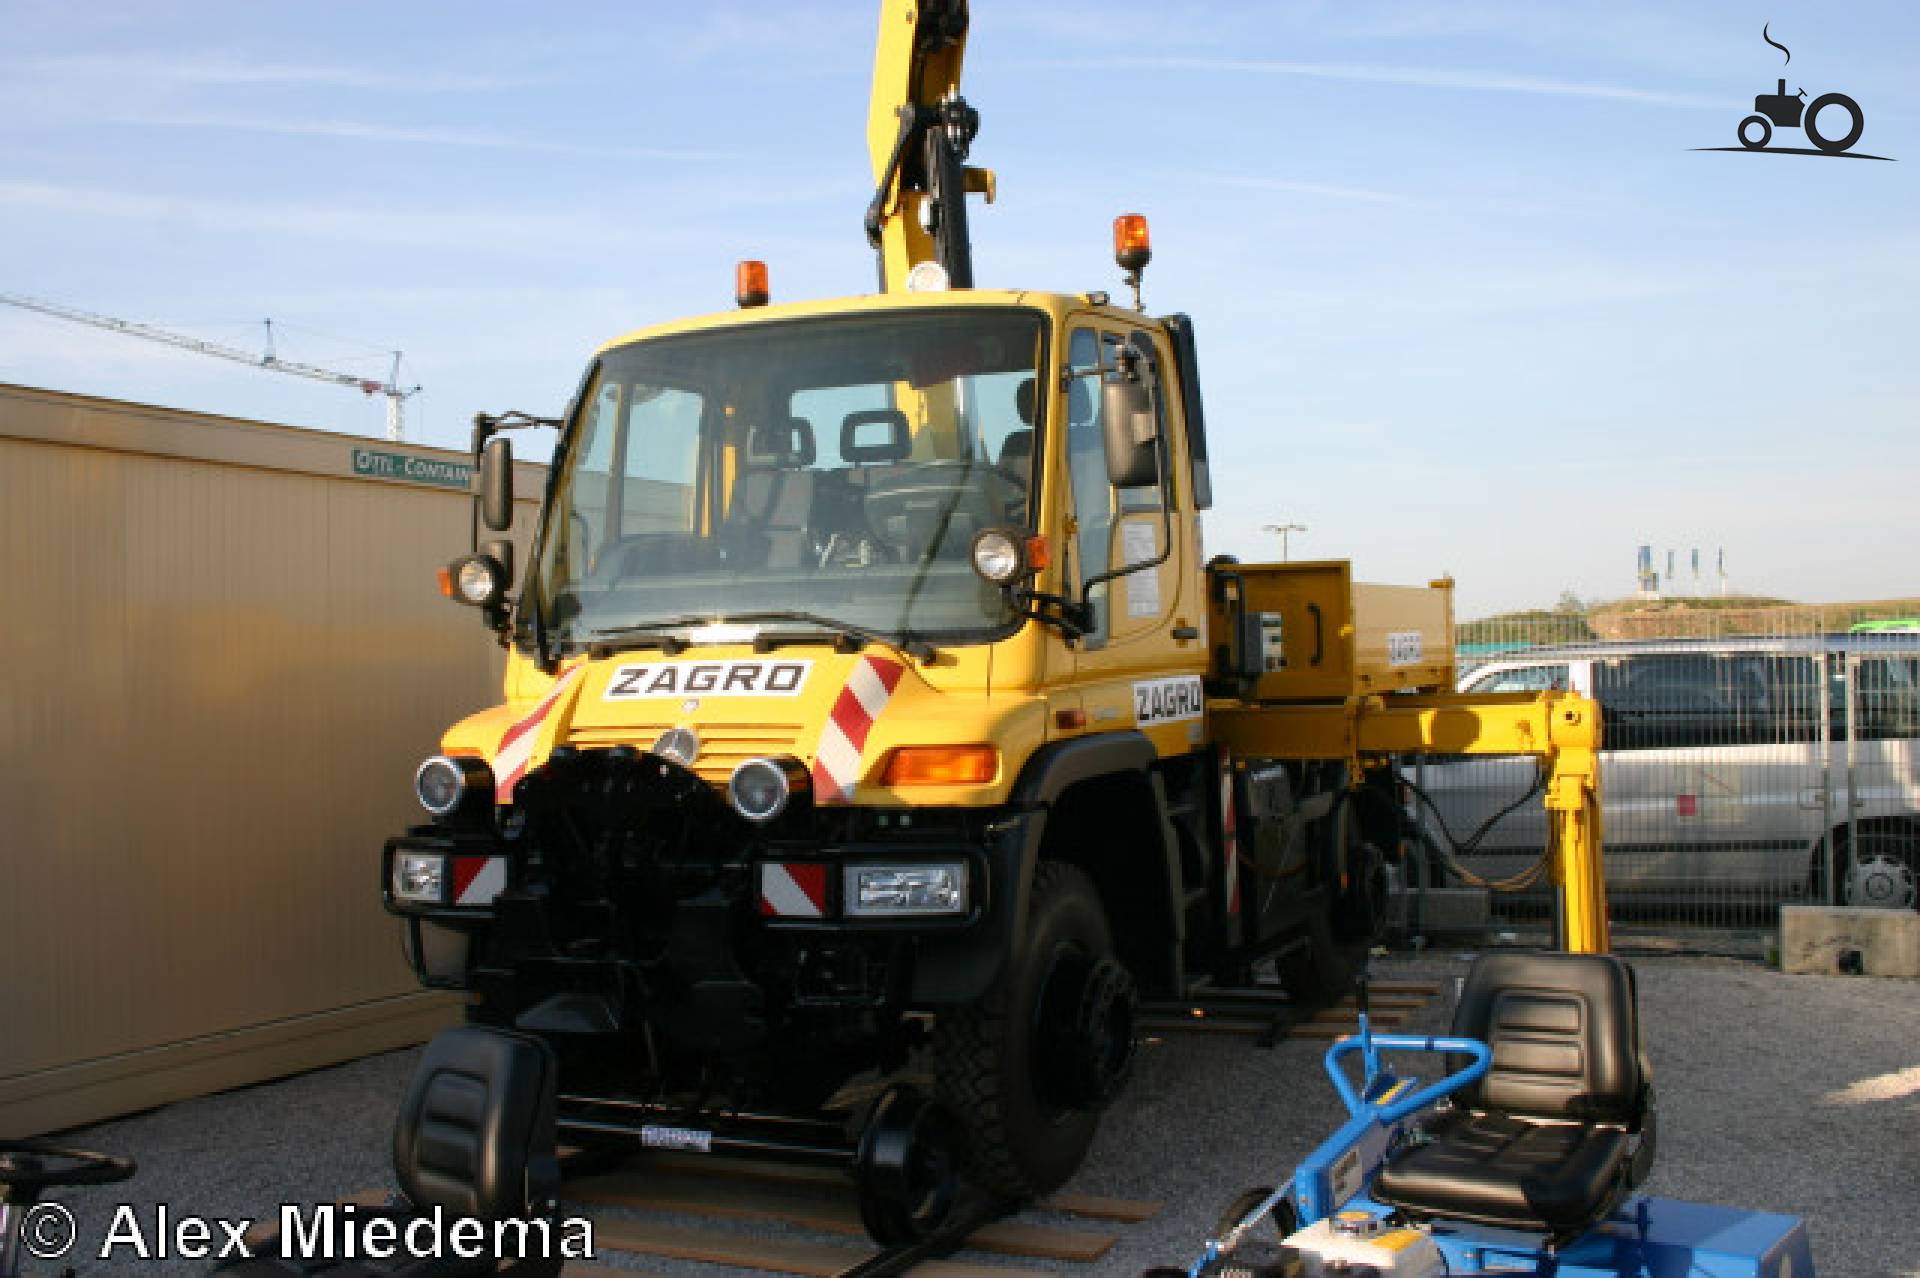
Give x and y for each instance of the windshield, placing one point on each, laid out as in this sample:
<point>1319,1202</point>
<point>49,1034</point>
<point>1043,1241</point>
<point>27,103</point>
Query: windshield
<point>839,468</point>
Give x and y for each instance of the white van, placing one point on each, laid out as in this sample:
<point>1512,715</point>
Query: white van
<point>1737,771</point>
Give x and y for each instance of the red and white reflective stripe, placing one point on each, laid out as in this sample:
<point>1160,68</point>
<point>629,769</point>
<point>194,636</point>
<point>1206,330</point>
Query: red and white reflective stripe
<point>1229,834</point>
<point>478,879</point>
<point>515,755</point>
<point>836,763</point>
<point>793,889</point>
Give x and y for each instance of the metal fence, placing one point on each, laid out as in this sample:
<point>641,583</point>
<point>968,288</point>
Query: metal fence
<point>1753,757</point>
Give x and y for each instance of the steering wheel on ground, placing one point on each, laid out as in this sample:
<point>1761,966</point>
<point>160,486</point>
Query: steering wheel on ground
<point>25,1168</point>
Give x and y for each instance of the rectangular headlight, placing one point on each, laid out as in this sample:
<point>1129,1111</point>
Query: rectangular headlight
<point>420,877</point>
<point>906,890</point>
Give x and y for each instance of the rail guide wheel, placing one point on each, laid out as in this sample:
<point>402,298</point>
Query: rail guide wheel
<point>907,1168</point>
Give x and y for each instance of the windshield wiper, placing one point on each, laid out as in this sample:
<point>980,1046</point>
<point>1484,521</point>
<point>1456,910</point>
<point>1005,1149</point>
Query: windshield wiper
<point>644,634</point>
<point>918,649</point>
<point>641,634</point>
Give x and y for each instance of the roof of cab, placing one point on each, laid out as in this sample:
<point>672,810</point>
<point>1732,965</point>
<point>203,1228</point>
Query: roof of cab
<point>866,304</point>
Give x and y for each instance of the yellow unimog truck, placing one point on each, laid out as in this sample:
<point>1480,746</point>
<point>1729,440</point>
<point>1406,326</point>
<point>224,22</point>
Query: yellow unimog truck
<point>874,715</point>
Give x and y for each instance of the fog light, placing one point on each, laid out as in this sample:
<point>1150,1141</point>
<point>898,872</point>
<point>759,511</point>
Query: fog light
<point>761,788</point>
<point>443,783</point>
<point>420,878</point>
<point>905,890</point>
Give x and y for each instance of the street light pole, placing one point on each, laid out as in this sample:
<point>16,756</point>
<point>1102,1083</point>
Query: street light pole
<point>1284,530</point>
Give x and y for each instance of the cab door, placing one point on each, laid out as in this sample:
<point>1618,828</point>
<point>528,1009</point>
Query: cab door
<point>1139,665</point>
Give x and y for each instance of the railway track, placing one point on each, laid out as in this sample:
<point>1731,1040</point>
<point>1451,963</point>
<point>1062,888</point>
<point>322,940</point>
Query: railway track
<point>1266,1014</point>
<point>806,1220</point>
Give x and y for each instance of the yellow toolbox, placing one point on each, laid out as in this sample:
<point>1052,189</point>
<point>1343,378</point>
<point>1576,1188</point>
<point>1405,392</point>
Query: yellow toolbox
<point>1307,631</point>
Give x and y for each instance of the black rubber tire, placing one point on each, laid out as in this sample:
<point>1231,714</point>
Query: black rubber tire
<point>1833,146</point>
<point>1339,936</point>
<point>1016,1143</point>
<point>1766,132</point>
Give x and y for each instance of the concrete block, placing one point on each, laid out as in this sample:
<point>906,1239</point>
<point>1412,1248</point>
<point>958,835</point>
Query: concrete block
<point>1814,939</point>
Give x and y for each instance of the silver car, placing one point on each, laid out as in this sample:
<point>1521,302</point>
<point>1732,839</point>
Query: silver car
<point>1738,772</point>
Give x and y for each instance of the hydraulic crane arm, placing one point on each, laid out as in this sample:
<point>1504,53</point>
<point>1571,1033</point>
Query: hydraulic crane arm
<point>1561,729</point>
<point>919,130</point>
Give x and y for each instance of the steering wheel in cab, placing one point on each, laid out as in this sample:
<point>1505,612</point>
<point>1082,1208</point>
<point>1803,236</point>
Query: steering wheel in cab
<point>948,500</point>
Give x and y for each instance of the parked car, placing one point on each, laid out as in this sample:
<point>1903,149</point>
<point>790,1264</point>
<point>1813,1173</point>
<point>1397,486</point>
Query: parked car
<point>1740,771</point>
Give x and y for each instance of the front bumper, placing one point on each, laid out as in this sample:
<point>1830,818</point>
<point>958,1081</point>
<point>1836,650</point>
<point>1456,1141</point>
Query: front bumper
<point>499,912</point>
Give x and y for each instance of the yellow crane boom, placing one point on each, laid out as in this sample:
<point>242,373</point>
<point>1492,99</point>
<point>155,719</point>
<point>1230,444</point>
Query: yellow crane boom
<point>919,132</point>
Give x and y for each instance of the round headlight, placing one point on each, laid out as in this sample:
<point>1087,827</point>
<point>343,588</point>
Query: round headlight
<point>760,788</point>
<point>927,277</point>
<point>996,556</point>
<point>477,581</point>
<point>442,784</point>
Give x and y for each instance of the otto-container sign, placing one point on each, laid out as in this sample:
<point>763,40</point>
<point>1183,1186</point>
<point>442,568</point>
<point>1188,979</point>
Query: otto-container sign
<point>420,470</point>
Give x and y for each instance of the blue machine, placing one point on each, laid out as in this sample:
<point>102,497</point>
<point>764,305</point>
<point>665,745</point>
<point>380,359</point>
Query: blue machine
<point>1521,1160</point>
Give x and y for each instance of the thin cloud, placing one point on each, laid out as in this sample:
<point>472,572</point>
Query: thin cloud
<point>153,68</point>
<point>430,135</point>
<point>1410,77</point>
<point>472,227</point>
<point>1326,190</point>
<point>530,232</point>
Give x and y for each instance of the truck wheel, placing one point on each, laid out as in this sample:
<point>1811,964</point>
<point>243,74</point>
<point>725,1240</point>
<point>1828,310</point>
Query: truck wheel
<point>1027,1069</point>
<point>1355,916</point>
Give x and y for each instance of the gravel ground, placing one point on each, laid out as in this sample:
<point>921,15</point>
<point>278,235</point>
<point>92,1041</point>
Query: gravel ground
<point>1791,1094</point>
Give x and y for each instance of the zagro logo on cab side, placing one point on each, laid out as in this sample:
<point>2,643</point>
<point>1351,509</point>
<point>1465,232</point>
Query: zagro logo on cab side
<point>1168,700</point>
<point>708,679</point>
<point>1833,122</point>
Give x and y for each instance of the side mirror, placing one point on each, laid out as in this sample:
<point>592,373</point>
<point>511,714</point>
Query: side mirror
<point>501,552</point>
<point>496,484</point>
<point>1126,408</point>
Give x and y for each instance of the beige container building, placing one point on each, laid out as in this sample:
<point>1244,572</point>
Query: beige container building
<point>222,652</point>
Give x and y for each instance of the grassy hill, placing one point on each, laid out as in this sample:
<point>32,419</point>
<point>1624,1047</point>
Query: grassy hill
<point>1674,618</point>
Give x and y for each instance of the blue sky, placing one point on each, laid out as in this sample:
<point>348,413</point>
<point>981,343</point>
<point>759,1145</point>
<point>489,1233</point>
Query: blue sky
<point>1467,301</point>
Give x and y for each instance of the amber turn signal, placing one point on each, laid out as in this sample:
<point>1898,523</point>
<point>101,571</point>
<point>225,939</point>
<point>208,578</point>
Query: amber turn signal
<point>750,283</point>
<point>941,765</point>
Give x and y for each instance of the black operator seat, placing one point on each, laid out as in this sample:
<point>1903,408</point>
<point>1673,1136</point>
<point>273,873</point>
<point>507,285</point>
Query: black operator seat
<point>475,1137</point>
<point>1562,1125</point>
<point>767,523</point>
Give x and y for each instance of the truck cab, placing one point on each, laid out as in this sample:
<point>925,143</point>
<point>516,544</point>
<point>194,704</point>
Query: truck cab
<point>856,720</point>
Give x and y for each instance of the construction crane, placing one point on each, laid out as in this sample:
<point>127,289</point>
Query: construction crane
<point>396,394</point>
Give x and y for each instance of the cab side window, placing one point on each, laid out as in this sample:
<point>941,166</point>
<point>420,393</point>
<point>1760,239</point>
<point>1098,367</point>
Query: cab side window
<point>1093,506</point>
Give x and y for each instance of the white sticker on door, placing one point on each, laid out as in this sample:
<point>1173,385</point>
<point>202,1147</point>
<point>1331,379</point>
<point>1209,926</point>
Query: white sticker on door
<point>1139,541</point>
